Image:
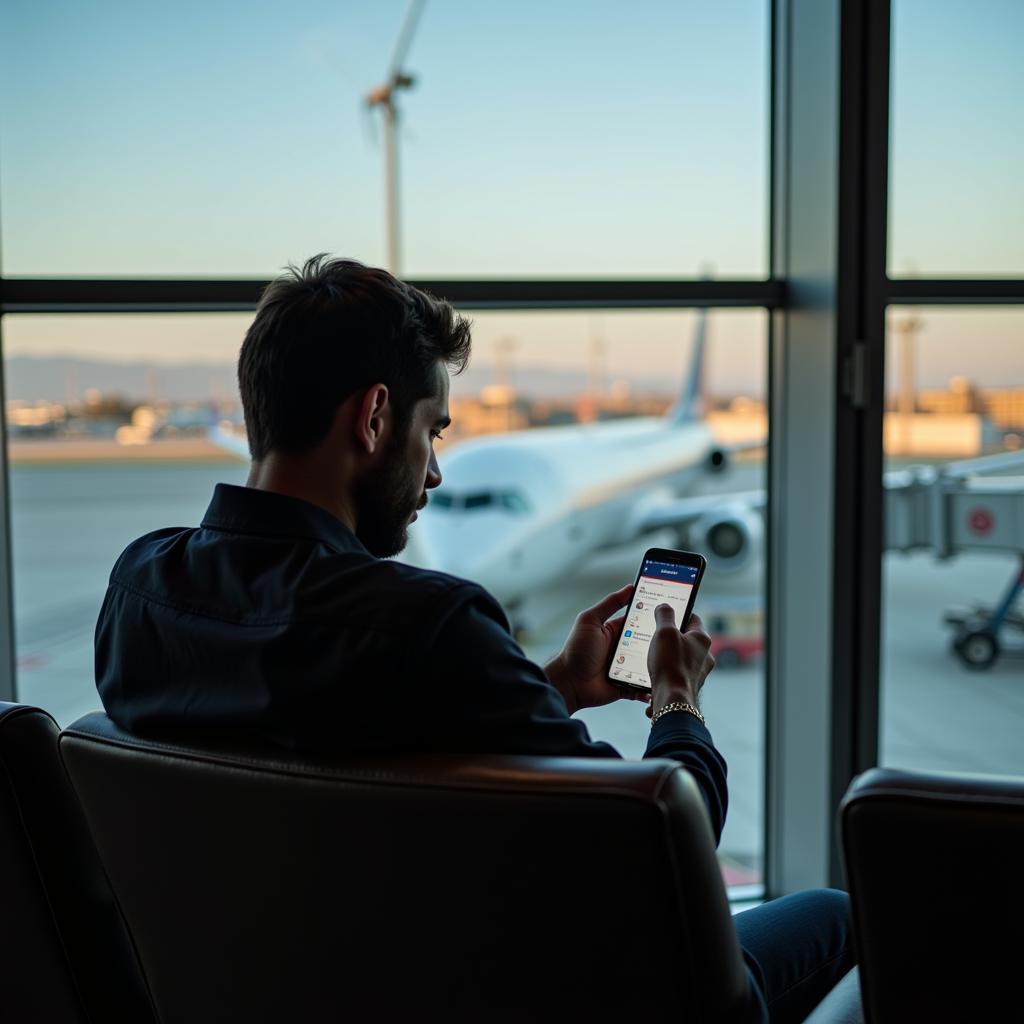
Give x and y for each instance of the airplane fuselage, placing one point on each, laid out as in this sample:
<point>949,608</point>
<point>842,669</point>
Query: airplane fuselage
<point>517,511</point>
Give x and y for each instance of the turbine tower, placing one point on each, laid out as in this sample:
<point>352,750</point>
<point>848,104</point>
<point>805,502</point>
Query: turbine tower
<point>384,97</point>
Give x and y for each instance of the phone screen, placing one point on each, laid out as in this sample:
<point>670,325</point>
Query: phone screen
<point>659,582</point>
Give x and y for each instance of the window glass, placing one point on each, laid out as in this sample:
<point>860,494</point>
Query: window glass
<point>589,391</point>
<point>107,424</point>
<point>956,201</point>
<point>953,601</point>
<point>571,139</point>
<point>558,453</point>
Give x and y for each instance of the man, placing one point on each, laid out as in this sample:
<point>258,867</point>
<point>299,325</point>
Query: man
<point>279,618</point>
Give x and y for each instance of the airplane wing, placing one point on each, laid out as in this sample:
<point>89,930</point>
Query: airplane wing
<point>680,512</point>
<point>738,447</point>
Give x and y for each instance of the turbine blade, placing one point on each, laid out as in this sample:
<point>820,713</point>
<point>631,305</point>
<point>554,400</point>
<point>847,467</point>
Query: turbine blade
<point>412,14</point>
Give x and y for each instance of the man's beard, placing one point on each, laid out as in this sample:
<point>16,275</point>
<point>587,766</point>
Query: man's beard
<point>385,502</point>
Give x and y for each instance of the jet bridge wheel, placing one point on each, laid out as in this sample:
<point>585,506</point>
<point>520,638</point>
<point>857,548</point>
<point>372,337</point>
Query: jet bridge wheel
<point>977,649</point>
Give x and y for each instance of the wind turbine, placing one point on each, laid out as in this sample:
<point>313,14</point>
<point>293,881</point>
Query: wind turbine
<point>384,96</point>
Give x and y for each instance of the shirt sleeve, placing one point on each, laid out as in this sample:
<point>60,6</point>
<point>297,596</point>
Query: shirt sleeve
<point>482,694</point>
<point>681,737</point>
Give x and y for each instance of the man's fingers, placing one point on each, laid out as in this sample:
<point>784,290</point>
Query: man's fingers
<point>695,625</point>
<point>616,623</point>
<point>664,615</point>
<point>635,694</point>
<point>609,605</point>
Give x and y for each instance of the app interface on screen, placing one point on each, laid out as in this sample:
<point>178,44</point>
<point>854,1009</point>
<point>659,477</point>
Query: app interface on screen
<point>660,583</point>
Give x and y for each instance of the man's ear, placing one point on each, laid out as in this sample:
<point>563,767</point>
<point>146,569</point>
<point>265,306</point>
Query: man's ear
<point>373,418</point>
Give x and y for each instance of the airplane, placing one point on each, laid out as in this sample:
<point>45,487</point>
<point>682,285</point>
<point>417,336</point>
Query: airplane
<point>520,512</point>
<point>517,511</point>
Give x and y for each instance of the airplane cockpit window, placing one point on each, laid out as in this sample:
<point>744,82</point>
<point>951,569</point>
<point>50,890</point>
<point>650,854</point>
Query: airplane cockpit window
<point>475,501</point>
<point>515,501</point>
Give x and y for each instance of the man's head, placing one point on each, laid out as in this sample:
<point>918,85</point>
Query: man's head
<point>345,369</point>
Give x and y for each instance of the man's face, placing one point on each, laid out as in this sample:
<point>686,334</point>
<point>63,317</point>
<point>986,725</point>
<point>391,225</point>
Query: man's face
<point>388,498</point>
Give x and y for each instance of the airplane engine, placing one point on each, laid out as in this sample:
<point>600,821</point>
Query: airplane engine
<point>716,461</point>
<point>730,538</point>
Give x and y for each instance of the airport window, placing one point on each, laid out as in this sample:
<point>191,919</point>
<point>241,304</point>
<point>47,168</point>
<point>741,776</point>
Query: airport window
<point>110,420</point>
<point>108,424</point>
<point>601,145</point>
<point>601,387</point>
<point>133,176</point>
<point>956,192</point>
<point>953,593</point>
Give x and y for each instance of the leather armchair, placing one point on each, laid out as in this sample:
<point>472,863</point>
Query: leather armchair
<point>259,886</point>
<point>263,886</point>
<point>933,862</point>
<point>65,955</point>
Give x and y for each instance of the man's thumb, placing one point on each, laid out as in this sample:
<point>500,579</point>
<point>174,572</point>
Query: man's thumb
<point>664,615</point>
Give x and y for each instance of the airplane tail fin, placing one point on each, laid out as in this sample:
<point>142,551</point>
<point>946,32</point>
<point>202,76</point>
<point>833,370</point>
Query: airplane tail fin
<point>690,406</point>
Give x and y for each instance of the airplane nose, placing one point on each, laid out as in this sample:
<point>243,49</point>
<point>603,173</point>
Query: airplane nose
<point>442,545</point>
<point>420,549</point>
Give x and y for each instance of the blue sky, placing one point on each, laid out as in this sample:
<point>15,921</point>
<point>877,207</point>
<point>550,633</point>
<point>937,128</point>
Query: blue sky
<point>228,138</point>
<point>578,137</point>
<point>957,156</point>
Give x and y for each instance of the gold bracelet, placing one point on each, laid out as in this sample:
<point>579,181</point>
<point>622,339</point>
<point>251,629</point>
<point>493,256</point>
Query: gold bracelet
<point>677,705</point>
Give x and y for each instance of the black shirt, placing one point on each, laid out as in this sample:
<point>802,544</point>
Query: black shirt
<point>271,620</point>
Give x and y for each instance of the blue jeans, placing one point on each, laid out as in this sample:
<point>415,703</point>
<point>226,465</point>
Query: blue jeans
<point>796,948</point>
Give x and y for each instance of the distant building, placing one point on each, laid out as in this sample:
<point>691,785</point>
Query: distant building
<point>961,419</point>
<point>939,435</point>
<point>1003,407</point>
<point>34,419</point>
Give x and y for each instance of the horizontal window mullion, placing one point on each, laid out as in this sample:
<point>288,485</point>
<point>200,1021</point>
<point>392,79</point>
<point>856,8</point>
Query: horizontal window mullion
<point>954,291</point>
<point>23,295</point>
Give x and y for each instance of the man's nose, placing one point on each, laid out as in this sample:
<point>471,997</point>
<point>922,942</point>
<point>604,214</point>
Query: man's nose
<point>433,472</point>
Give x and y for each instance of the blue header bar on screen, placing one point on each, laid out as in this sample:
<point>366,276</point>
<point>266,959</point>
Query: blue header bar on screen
<point>669,571</point>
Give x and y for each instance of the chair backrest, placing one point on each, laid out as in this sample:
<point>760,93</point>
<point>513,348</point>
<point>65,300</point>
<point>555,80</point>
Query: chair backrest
<point>65,955</point>
<point>263,886</point>
<point>934,865</point>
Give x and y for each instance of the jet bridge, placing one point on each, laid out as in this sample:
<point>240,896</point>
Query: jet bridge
<point>973,505</point>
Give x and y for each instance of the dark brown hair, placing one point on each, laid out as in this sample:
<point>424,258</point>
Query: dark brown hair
<point>329,329</point>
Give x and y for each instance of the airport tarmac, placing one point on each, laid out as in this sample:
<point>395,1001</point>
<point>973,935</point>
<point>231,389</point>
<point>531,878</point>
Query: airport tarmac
<point>936,714</point>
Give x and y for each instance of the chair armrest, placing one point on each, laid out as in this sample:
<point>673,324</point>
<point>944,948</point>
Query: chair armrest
<point>842,1005</point>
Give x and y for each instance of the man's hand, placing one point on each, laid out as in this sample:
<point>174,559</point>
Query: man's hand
<point>677,662</point>
<point>580,671</point>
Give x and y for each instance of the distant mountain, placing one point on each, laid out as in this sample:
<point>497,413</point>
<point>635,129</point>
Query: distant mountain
<point>63,379</point>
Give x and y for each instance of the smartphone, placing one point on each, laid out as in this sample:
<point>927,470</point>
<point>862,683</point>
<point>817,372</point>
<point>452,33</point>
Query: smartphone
<point>666,576</point>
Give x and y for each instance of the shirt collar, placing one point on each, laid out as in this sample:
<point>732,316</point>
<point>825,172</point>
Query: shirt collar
<point>267,513</point>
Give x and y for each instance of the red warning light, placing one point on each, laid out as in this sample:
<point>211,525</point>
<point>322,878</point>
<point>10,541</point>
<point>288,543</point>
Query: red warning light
<point>981,521</point>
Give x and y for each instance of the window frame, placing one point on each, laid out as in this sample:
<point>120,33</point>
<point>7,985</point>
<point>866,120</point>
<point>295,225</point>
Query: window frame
<point>827,294</point>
